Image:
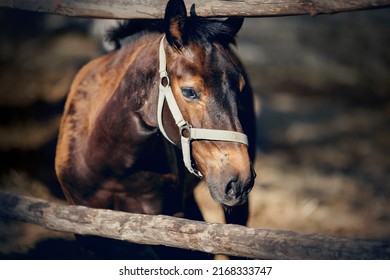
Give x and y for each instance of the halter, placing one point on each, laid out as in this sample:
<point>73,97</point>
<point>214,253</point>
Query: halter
<point>187,132</point>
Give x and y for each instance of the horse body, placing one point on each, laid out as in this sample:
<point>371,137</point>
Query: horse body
<point>111,153</point>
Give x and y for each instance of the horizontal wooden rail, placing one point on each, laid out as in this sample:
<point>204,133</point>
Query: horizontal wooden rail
<point>125,9</point>
<point>231,240</point>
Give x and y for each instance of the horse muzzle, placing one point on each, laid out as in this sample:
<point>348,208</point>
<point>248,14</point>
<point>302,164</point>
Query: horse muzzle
<point>229,179</point>
<point>236,191</point>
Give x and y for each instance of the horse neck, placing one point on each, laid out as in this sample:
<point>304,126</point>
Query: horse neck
<point>144,72</point>
<point>137,93</point>
<point>128,119</point>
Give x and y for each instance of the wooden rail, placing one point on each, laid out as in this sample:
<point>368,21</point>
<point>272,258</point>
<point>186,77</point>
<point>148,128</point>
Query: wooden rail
<point>231,240</point>
<point>125,9</point>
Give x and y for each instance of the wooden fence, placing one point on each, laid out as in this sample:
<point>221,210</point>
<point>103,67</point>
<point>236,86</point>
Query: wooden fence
<point>123,9</point>
<point>233,240</point>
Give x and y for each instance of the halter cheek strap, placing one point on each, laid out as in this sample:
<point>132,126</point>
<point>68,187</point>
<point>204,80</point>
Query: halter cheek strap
<point>187,132</point>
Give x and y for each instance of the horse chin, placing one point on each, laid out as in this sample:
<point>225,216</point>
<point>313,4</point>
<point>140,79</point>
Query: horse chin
<point>226,204</point>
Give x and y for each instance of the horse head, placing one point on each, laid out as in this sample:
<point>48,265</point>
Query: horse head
<point>206,82</point>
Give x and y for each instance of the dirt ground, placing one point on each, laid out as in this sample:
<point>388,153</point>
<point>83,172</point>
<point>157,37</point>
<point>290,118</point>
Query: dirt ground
<point>322,88</point>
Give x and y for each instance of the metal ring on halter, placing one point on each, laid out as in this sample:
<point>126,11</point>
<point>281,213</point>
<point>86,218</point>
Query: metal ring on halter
<point>186,127</point>
<point>163,76</point>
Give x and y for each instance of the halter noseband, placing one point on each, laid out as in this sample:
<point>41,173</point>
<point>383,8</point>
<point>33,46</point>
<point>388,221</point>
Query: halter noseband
<point>165,93</point>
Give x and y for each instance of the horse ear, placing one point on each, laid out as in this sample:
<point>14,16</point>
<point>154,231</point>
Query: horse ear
<point>234,24</point>
<point>175,22</point>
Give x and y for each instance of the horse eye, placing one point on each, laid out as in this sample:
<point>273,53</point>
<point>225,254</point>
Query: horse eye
<point>189,93</point>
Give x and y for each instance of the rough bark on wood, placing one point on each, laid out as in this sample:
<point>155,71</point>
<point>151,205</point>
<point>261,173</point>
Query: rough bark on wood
<point>125,9</point>
<point>231,240</point>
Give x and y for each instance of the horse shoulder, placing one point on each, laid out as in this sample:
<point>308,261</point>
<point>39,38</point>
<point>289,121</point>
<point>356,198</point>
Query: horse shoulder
<point>82,105</point>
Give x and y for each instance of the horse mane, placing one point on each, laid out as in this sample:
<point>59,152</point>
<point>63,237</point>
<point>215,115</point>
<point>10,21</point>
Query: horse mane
<point>125,29</point>
<point>200,30</point>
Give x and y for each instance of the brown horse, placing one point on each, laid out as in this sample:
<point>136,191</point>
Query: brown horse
<point>174,79</point>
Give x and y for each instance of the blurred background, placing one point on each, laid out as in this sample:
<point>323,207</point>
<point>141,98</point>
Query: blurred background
<point>322,87</point>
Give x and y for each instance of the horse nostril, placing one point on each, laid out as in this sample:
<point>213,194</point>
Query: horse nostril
<point>233,189</point>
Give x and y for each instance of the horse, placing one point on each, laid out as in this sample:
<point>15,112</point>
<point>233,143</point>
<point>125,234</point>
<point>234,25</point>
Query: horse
<point>144,123</point>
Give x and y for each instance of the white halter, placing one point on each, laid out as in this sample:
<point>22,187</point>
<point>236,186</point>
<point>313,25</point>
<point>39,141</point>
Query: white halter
<point>165,93</point>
